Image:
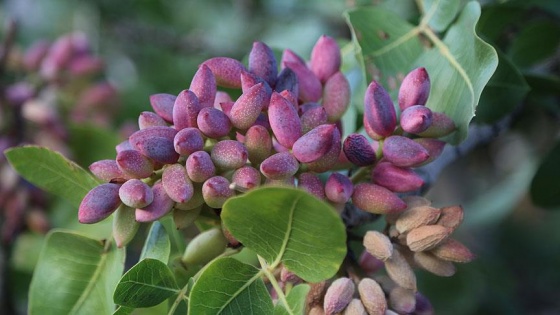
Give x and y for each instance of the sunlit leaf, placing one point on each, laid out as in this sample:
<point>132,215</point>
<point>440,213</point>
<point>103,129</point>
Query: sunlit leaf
<point>296,301</point>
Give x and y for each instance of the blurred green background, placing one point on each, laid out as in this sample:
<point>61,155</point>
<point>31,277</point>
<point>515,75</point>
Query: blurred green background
<point>156,46</point>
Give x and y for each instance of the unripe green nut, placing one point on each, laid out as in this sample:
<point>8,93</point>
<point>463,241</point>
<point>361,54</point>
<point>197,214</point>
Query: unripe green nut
<point>125,225</point>
<point>204,247</point>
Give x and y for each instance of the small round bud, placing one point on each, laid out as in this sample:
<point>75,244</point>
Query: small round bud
<point>279,166</point>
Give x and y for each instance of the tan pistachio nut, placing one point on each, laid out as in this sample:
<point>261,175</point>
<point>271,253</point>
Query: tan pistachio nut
<point>426,237</point>
<point>417,216</point>
<point>400,270</point>
<point>433,264</point>
<point>378,245</point>
<point>355,308</point>
<point>451,217</point>
<point>453,250</point>
<point>372,297</point>
<point>402,300</point>
<point>338,296</point>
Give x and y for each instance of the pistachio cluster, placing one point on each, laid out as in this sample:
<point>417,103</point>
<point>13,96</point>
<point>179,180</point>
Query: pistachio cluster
<point>49,86</point>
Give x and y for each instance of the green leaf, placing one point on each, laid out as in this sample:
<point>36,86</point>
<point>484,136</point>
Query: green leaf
<point>228,286</point>
<point>85,137</point>
<point>52,172</point>
<point>148,283</point>
<point>459,66</point>
<point>506,90</point>
<point>296,301</point>
<point>535,42</point>
<point>157,245</point>
<point>545,187</point>
<point>75,275</point>
<point>438,14</point>
<point>123,310</point>
<point>290,226</point>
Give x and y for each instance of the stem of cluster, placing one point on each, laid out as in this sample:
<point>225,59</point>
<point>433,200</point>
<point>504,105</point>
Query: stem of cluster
<point>281,296</point>
<point>182,295</point>
<point>360,174</point>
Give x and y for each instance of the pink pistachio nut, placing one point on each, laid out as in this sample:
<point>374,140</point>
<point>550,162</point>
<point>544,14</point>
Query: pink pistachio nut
<point>376,199</point>
<point>313,116</point>
<point>258,143</point>
<point>185,110</point>
<point>338,296</point>
<point>99,203</point>
<point>200,167</point>
<point>338,188</point>
<point>415,88</point>
<point>176,183</point>
<point>416,119</point>
<point>262,62</point>
<point>248,106</point>
<point>325,58</point>
<point>160,206</point>
<point>136,194</point>
<point>229,155</point>
<point>312,184</point>
<point>380,118</point>
<point>221,97</point>
<point>187,141</point>
<point>151,132</point>
<point>216,190</point>
<point>287,80</point>
<point>124,145</point>
<point>248,80</point>
<point>433,146</point>
<point>203,85</point>
<point>106,170</point>
<point>86,65</point>
<point>404,152</point>
<point>358,150</point>
<point>134,165</point>
<point>336,96</point>
<point>310,88</point>
<point>397,179</point>
<point>227,71</point>
<point>279,166</point>
<point>315,144</point>
<point>213,123</point>
<point>163,105</point>
<point>159,149</point>
<point>284,120</point>
<point>150,119</point>
<point>329,159</point>
<point>442,125</point>
<point>246,178</point>
<point>35,54</point>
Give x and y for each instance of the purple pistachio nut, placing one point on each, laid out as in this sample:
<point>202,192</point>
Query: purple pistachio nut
<point>99,203</point>
<point>134,165</point>
<point>258,143</point>
<point>289,55</point>
<point>370,264</point>
<point>226,107</point>
<point>227,71</point>
<point>358,150</point>
<point>221,97</point>
<point>338,296</point>
<point>336,96</point>
<point>187,141</point>
<point>279,166</point>
<point>248,106</point>
<point>150,119</point>
<point>136,194</point>
<point>315,144</point>
<point>203,85</point>
<point>284,120</point>
<point>397,179</point>
<point>216,191</point>
<point>57,57</point>
<point>329,159</point>
<point>325,58</point>
<point>312,184</point>
<point>338,188</point>
<point>433,146</point>
<point>416,119</point>
<point>287,80</point>
<point>376,199</point>
<point>85,65</point>
<point>185,110</point>
<point>313,116</point>
<point>163,105</point>
<point>200,167</point>
<point>442,125</point>
<point>310,88</point>
<point>213,123</point>
<point>35,54</point>
<point>160,206</point>
<point>176,183</point>
<point>125,145</point>
<point>415,88</point>
<point>229,155</point>
<point>379,112</point>
<point>248,80</point>
<point>423,305</point>
<point>106,170</point>
<point>151,132</point>
<point>404,152</point>
<point>246,178</point>
<point>159,149</point>
<point>262,62</point>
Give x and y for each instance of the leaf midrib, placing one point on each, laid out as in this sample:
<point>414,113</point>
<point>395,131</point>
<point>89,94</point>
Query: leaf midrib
<point>149,285</point>
<point>287,235</point>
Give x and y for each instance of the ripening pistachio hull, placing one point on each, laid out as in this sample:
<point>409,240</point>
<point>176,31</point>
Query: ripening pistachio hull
<point>248,106</point>
<point>163,105</point>
<point>213,123</point>
<point>216,190</point>
<point>161,205</point>
<point>397,179</point>
<point>176,183</point>
<point>106,170</point>
<point>376,199</point>
<point>415,89</point>
<point>188,141</point>
<point>284,120</point>
<point>262,62</point>
<point>200,167</point>
<point>134,165</point>
<point>404,152</point>
<point>125,226</point>
<point>336,96</point>
<point>227,71</point>
<point>99,203</point>
<point>204,247</point>
<point>136,194</point>
<point>325,58</point>
<point>185,110</point>
<point>203,85</point>
<point>379,112</point>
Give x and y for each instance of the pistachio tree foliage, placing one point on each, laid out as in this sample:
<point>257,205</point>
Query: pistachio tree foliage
<point>263,159</point>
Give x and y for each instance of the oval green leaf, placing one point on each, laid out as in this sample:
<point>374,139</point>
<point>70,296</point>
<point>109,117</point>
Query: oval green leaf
<point>545,187</point>
<point>296,301</point>
<point>75,275</point>
<point>148,283</point>
<point>157,245</point>
<point>290,226</point>
<point>459,65</point>
<point>52,172</point>
<point>228,286</point>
